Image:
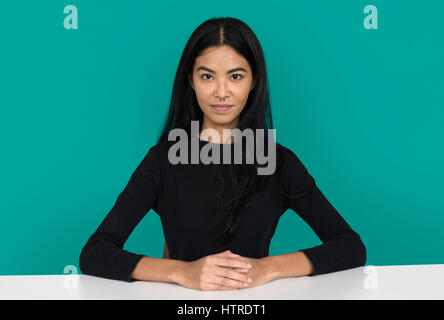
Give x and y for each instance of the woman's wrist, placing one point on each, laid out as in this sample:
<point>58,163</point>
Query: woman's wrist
<point>270,267</point>
<point>288,265</point>
<point>179,273</point>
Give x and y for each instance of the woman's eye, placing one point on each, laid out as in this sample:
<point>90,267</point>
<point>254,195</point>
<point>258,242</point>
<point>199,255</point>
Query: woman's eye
<point>205,74</point>
<point>239,76</point>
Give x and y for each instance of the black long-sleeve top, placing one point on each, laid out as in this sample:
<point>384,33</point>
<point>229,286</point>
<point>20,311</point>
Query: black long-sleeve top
<point>182,194</point>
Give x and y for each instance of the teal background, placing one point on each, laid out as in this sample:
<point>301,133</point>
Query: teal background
<point>362,109</point>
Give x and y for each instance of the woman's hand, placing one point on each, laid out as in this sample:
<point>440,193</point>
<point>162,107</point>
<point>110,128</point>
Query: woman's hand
<point>222,271</point>
<point>260,271</point>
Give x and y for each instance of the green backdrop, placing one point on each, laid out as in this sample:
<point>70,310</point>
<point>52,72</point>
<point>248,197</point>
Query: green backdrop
<point>363,110</point>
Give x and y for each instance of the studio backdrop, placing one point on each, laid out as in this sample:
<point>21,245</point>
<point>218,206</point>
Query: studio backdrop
<point>357,93</point>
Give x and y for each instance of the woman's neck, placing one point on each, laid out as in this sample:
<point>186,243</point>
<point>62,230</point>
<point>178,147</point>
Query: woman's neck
<point>214,132</point>
<point>216,135</point>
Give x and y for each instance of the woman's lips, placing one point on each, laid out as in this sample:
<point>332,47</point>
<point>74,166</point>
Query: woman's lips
<point>221,107</point>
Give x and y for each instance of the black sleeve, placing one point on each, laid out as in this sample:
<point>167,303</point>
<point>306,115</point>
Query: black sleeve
<point>342,247</point>
<point>103,253</point>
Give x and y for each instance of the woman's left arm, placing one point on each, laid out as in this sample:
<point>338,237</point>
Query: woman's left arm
<point>342,247</point>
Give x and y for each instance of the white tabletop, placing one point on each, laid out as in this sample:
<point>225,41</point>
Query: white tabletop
<point>364,283</point>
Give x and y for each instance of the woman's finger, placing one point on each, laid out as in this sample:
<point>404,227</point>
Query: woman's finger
<point>230,274</point>
<point>241,270</point>
<point>227,279</point>
<point>227,253</point>
<point>232,263</point>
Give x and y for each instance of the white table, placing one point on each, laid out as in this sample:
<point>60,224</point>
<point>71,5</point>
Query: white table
<point>364,283</point>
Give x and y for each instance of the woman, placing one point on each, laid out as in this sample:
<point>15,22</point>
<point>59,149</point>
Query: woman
<point>218,219</point>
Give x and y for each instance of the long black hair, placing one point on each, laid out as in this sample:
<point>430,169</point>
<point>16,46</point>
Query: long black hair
<point>240,183</point>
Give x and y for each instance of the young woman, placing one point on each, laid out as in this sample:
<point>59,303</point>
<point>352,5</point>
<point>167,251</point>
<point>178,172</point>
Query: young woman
<point>218,219</point>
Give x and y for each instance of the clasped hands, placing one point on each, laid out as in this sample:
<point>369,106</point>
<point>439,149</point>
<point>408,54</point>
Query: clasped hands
<point>225,271</point>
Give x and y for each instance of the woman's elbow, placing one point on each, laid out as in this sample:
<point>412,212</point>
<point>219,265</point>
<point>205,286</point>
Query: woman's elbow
<point>85,262</point>
<point>359,252</point>
<point>83,265</point>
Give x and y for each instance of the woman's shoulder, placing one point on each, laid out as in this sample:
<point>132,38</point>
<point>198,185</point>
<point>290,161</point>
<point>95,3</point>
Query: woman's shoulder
<point>293,173</point>
<point>287,159</point>
<point>285,153</point>
<point>159,150</point>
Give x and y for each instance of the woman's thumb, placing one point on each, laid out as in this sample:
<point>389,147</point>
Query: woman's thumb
<point>228,252</point>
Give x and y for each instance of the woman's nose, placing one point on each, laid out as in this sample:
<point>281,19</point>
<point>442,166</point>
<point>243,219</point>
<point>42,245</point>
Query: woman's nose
<point>222,90</point>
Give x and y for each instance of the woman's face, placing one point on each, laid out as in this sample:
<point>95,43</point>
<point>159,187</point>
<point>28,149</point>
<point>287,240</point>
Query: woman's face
<point>221,76</point>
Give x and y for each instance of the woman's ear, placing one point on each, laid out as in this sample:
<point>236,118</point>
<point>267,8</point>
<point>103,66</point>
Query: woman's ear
<point>254,83</point>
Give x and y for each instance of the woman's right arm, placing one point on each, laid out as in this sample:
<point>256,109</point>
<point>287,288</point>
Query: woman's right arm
<point>103,253</point>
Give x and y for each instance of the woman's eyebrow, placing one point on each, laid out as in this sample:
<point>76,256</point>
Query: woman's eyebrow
<point>229,71</point>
